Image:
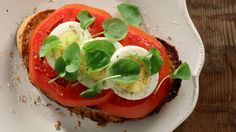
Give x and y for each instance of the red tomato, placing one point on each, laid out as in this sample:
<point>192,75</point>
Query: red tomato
<point>136,109</point>
<point>40,72</point>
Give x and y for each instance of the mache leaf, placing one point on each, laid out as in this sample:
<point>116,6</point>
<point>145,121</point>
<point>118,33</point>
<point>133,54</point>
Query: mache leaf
<point>100,45</point>
<point>49,43</point>
<point>115,28</point>
<point>97,60</point>
<point>85,19</point>
<point>127,68</point>
<point>71,76</point>
<point>148,63</point>
<point>130,13</point>
<point>182,72</point>
<point>73,66</point>
<point>91,92</point>
<point>156,60</point>
<point>71,56</point>
<point>98,54</point>
<point>153,61</point>
<point>59,66</point>
<point>68,64</point>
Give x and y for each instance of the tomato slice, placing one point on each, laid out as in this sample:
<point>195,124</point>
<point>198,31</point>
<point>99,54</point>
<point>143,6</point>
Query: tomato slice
<point>136,109</point>
<point>40,72</point>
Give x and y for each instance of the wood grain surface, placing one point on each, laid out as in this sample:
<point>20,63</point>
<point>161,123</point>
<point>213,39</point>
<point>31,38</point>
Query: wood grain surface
<point>216,107</point>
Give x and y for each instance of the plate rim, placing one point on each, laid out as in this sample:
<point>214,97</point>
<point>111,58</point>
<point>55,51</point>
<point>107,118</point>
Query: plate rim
<point>196,71</point>
<point>199,66</point>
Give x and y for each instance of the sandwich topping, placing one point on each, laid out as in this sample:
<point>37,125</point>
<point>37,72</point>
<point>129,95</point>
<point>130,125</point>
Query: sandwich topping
<point>81,56</point>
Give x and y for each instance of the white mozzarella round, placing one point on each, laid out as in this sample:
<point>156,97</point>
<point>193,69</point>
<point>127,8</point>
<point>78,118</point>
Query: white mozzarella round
<point>62,28</point>
<point>151,84</point>
<point>82,78</point>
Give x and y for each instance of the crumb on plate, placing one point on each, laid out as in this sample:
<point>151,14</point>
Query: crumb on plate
<point>57,125</point>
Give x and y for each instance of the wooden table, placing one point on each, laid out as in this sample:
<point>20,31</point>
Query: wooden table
<point>216,107</point>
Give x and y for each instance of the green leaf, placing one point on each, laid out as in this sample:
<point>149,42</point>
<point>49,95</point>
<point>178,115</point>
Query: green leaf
<point>98,54</point>
<point>72,52</point>
<point>91,92</point>
<point>68,64</point>
<point>156,60</point>
<point>50,39</point>
<point>49,43</point>
<point>115,29</point>
<point>148,63</point>
<point>182,72</point>
<point>100,45</point>
<point>85,19</point>
<point>71,76</point>
<point>60,65</point>
<point>130,13</point>
<point>73,66</point>
<point>153,61</point>
<point>127,68</point>
<point>71,56</point>
<point>97,60</point>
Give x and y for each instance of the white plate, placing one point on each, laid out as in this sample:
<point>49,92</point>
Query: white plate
<point>162,18</point>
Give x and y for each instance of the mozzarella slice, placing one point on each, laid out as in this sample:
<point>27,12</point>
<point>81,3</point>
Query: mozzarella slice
<point>149,87</point>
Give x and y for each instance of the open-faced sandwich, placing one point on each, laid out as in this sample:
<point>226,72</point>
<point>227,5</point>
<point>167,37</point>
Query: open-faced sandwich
<point>103,68</point>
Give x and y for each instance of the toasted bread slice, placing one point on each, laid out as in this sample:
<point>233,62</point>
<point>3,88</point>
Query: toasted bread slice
<point>25,31</point>
<point>23,38</point>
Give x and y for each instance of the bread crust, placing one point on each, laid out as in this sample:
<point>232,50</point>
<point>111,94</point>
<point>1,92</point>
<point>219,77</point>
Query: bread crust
<point>23,38</point>
<point>25,31</point>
